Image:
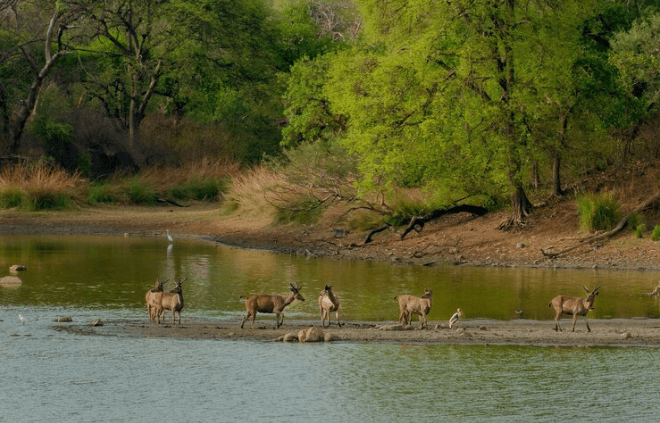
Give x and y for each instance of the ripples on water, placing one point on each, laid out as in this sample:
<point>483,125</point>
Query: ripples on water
<point>49,375</point>
<point>46,375</point>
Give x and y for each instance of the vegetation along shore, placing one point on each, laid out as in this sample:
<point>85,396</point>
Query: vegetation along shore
<point>464,134</point>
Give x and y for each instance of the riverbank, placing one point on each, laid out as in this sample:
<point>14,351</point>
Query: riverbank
<point>616,332</point>
<point>456,240</point>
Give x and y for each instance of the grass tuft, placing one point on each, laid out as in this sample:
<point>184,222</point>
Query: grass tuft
<point>598,212</point>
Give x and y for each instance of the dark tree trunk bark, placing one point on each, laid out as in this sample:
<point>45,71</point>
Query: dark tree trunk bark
<point>556,177</point>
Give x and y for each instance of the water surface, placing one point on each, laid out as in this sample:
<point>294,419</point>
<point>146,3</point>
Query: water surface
<point>50,375</point>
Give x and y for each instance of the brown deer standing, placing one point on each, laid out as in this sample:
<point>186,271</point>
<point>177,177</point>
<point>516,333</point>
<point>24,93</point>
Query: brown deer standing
<point>573,306</point>
<point>274,303</point>
<point>328,302</point>
<point>153,299</point>
<point>410,304</point>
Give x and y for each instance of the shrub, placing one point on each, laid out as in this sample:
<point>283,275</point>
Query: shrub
<point>655,235</point>
<point>10,196</point>
<point>103,193</point>
<point>43,199</point>
<point>304,210</point>
<point>598,211</point>
<point>635,220</point>
<point>140,192</point>
<point>639,230</point>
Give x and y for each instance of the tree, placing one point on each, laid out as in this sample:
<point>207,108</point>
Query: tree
<point>56,43</point>
<point>447,92</point>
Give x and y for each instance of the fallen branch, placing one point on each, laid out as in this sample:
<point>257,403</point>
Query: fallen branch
<point>417,223</point>
<point>374,232</point>
<point>606,235</point>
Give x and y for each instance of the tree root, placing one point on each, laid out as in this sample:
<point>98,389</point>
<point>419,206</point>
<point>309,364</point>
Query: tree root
<point>605,235</point>
<point>417,223</point>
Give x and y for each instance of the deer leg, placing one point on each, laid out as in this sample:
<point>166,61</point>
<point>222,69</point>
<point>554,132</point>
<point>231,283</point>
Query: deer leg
<point>245,319</point>
<point>422,320</point>
<point>338,323</point>
<point>557,325</point>
<point>587,322</point>
<point>574,320</point>
<point>277,321</point>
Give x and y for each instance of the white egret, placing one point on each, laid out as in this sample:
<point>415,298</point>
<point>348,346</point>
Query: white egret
<point>21,317</point>
<point>169,238</point>
<point>453,319</point>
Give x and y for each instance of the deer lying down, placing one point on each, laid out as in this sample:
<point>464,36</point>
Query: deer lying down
<point>153,299</point>
<point>274,303</point>
<point>409,305</point>
<point>328,302</point>
<point>573,306</point>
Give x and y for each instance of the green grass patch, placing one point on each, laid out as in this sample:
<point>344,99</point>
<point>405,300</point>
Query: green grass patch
<point>598,212</point>
<point>10,197</point>
<point>103,193</point>
<point>140,192</point>
<point>42,199</point>
<point>305,210</point>
<point>655,234</point>
<point>198,189</point>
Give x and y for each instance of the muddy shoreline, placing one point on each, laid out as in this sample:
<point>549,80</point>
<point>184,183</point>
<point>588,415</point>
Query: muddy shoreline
<point>605,333</point>
<point>203,223</point>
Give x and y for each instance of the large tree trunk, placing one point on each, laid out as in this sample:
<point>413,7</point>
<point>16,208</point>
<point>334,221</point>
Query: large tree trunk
<point>556,179</point>
<point>40,73</point>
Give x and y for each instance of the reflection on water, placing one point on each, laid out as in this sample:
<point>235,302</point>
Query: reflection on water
<point>112,272</point>
<point>49,375</point>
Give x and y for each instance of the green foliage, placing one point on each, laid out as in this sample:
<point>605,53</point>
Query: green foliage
<point>103,193</point>
<point>44,199</point>
<point>142,192</point>
<point>10,197</point>
<point>636,220</point>
<point>198,189</point>
<point>598,212</point>
<point>639,230</point>
<point>655,234</point>
<point>303,209</point>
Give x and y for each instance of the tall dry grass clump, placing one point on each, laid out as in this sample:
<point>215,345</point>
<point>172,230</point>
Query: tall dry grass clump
<point>39,186</point>
<point>248,190</point>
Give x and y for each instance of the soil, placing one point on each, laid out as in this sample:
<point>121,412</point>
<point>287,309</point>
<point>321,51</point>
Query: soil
<point>460,239</point>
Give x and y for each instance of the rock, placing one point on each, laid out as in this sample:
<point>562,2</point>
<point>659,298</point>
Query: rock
<point>17,268</point>
<point>625,335</point>
<point>10,282</point>
<point>63,319</point>
<point>483,328</point>
<point>520,245</point>
<point>460,331</point>
<point>97,322</point>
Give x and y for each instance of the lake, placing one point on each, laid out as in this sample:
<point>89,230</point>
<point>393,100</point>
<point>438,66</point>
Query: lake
<point>53,375</point>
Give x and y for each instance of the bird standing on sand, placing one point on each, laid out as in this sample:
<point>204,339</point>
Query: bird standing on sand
<point>169,238</point>
<point>453,319</point>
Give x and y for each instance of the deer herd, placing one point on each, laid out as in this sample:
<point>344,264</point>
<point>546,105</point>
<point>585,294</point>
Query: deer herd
<point>158,301</point>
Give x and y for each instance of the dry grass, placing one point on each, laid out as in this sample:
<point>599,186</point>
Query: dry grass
<point>200,170</point>
<point>248,190</point>
<point>40,186</point>
<point>41,176</point>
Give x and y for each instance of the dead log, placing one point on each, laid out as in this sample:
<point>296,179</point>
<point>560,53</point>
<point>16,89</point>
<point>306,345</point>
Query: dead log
<point>374,232</point>
<point>417,223</point>
<point>606,235</point>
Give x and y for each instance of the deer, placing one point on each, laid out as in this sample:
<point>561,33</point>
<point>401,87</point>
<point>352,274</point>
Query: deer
<point>410,304</point>
<point>328,302</point>
<point>173,300</point>
<point>153,298</point>
<point>574,306</point>
<point>275,303</point>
